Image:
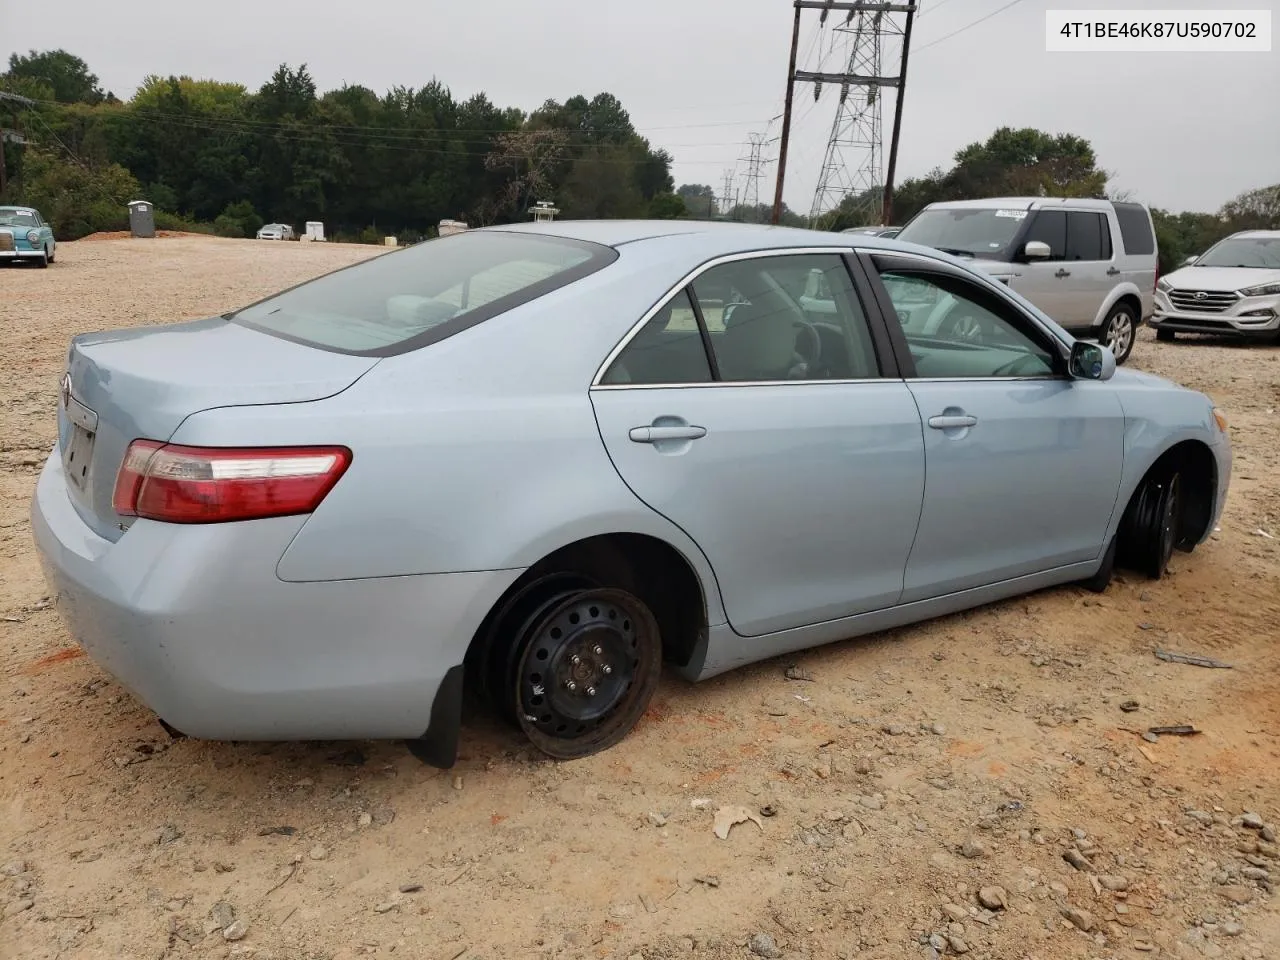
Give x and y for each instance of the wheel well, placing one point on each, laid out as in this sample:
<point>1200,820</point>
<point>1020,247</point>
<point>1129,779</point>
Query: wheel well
<point>650,568</point>
<point>1199,472</point>
<point>1131,301</point>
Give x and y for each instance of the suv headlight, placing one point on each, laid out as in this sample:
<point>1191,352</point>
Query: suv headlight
<point>1262,290</point>
<point>1164,285</point>
<point>33,237</point>
<point>1221,419</point>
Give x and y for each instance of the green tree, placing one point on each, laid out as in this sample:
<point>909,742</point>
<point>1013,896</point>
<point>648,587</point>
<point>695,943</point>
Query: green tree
<point>66,75</point>
<point>77,200</point>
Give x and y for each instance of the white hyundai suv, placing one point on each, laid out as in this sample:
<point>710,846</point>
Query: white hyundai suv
<point>1232,289</point>
<point>1091,265</point>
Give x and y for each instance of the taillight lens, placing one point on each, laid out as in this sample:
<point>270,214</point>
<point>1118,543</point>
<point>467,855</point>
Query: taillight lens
<point>178,484</point>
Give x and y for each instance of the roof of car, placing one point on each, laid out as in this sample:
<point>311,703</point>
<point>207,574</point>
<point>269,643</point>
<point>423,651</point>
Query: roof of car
<point>719,234</point>
<point>1257,234</point>
<point>1024,203</point>
<point>20,209</point>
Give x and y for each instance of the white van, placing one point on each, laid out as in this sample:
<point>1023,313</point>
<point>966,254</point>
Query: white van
<point>1091,265</point>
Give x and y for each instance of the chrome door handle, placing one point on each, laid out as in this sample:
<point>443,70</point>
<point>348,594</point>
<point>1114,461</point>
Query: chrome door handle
<point>950,423</point>
<point>1063,273</point>
<point>658,434</point>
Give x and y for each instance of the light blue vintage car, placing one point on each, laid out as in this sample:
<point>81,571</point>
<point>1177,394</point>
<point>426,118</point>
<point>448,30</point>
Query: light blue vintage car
<point>24,235</point>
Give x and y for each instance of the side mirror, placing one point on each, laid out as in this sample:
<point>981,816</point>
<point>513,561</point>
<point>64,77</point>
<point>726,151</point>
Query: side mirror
<point>1037,250</point>
<point>1092,361</point>
<point>1190,260</point>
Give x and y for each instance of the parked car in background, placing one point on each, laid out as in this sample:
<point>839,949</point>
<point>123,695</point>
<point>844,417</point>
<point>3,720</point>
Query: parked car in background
<point>1232,289</point>
<point>886,232</point>
<point>543,458</point>
<point>277,231</point>
<point>24,235</point>
<point>1090,264</point>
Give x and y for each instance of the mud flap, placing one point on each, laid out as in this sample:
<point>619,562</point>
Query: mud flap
<point>438,747</point>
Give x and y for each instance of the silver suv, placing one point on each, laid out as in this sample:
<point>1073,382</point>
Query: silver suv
<point>1091,265</point>
<point>1233,288</point>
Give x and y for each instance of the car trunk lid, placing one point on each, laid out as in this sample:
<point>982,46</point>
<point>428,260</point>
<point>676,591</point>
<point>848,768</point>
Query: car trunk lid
<point>142,383</point>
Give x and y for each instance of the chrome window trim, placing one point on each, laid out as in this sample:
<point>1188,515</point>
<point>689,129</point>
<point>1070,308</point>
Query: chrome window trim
<point>690,277</point>
<point>741,383</point>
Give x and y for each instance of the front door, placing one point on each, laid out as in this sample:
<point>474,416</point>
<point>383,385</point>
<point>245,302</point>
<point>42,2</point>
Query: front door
<point>782,450</point>
<point>1023,462</point>
<point>1045,282</point>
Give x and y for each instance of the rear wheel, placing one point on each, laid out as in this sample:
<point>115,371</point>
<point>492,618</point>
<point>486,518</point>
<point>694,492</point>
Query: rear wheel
<point>582,670</point>
<point>1119,331</point>
<point>1151,524</point>
<point>1165,336</point>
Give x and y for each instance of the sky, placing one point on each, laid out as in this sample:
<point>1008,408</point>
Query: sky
<point>1181,131</point>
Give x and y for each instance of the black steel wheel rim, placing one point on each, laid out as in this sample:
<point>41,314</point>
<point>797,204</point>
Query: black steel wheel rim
<point>1170,503</point>
<point>578,665</point>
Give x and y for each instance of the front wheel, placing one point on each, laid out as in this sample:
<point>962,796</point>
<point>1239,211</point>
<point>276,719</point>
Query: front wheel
<point>1119,332</point>
<point>586,666</point>
<point>1151,524</point>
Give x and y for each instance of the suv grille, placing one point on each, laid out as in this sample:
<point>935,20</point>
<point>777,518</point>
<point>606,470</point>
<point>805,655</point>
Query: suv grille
<point>1202,301</point>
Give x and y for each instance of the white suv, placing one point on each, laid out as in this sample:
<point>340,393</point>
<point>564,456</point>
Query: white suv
<point>1091,265</point>
<point>1233,289</point>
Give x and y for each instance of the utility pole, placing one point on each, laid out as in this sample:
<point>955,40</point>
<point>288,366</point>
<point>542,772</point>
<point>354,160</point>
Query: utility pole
<point>854,126</point>
<point>887,216</point>
<point>786,118</point>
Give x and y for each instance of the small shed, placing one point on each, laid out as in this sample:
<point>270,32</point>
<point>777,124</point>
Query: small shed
<point>142,218</point>
<point>315,230</point>
<point>543,211</point>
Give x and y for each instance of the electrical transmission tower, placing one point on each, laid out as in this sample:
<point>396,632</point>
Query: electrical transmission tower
<point>727,200</point>
<point>855,148</point>
<point>755,163</point>
<point>852,166</point>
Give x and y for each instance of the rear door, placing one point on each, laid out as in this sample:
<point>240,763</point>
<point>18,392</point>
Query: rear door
<point>785,445</point>
<point>1091,263</point>
<point>1023,462</point>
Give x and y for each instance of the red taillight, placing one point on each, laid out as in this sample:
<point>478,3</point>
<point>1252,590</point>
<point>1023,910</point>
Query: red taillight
<point>178,484</point>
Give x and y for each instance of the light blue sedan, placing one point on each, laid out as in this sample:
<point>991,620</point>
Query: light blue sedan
<point>530,463</point>
<point>24,235</point>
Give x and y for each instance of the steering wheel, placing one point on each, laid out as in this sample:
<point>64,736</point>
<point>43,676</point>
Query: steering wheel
<point>1015,367</point>
<point>808,343</point>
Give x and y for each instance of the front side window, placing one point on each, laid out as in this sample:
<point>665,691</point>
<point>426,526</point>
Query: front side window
<point>1049,226</point>
<point>418,295</point>
<point>966,231</point>
<point>955,329</point>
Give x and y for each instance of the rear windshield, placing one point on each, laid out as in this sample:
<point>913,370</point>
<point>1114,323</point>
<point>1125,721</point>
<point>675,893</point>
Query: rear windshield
<point>406,299</point>
<point>966,231</point>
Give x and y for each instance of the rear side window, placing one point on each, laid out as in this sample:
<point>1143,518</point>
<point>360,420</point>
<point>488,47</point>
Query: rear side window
<point>422,294</point>
<point>1135,229</point>
<point>1088,236</point>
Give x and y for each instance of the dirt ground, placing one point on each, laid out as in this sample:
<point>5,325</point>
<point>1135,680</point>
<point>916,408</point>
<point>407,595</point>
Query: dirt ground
<point>918,794</point>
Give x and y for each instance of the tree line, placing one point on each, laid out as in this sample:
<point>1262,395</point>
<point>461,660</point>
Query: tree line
<point>215,156</point>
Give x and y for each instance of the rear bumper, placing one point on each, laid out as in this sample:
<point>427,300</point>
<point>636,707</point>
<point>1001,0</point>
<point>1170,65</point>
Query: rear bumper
<point>194,621</point>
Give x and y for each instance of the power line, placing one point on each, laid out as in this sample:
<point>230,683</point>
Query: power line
<point>953,33</point>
